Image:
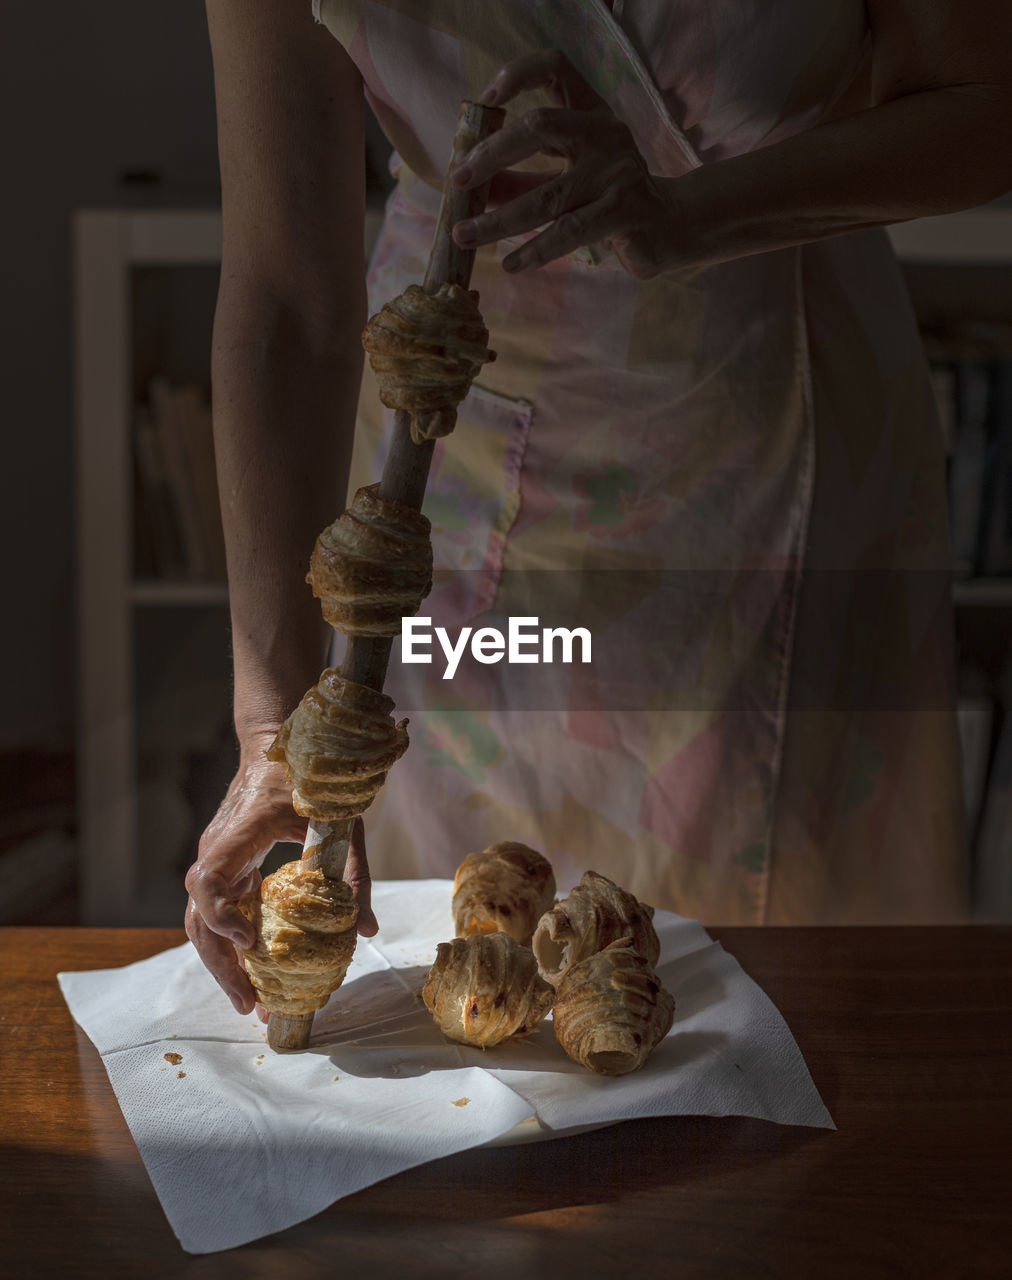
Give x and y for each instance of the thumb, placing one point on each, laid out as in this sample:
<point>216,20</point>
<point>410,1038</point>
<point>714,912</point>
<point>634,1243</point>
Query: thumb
<point>356,873</point>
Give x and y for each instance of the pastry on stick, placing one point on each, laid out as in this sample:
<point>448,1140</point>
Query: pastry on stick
<point>337,746</point>
<point>425,350</point>
<point>305,926</point>
<point>507,888</point>
<point>484,989</point>
<point>372,566</point>
<point>611,1010</point>
<point>596,913</point>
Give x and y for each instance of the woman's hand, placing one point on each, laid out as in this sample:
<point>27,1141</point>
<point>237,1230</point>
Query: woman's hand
<point>255,813</point>
<point>603,193</point>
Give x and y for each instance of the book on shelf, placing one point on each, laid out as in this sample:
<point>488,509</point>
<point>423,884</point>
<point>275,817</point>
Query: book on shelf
<point>973,389</point>
<point>975,713</point>
<point>996,530</point>
<point>967,458</point>
<point>177,514</point>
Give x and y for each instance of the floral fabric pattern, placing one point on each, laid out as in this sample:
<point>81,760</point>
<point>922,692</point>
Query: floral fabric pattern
<point>735,470</point>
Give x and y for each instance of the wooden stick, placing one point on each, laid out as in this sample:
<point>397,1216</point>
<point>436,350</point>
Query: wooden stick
<point>404,476</point>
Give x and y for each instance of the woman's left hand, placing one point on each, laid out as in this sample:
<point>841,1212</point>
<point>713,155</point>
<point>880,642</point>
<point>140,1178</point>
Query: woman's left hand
<point>603,194</point>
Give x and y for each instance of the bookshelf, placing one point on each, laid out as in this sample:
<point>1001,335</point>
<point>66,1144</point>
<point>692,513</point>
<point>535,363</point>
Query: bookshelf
<point>959,269</point>
<point>120,256</point>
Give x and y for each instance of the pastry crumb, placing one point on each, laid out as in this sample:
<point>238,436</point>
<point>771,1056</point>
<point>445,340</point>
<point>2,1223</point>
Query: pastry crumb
<point>180,1075</point>
<point>460,1102</point>
<point>337,1077</point>
<point>174,1058</point>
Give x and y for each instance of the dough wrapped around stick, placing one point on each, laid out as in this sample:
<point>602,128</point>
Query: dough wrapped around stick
<point>505,889</point>
<point>305,925</point>
<point>596,913</point>
<point>337,746</point>
<point>426,349</point>
<point>372,566</point>
<point>611,1010</point>
<point>484,989</point>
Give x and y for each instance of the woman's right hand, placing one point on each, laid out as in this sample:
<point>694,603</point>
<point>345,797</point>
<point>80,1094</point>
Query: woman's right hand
<point>255,813</point>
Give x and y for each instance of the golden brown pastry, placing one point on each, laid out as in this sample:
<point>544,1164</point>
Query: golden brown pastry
<point>337,745</point>
<point>426,349</point>
<point>372,566</point>
<point>611,1010</point>
<point>484,989</point>
<point>305,925</point>
<point>596,913</point>
<point>507,888</point>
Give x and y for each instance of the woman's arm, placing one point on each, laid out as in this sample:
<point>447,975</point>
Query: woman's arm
<point>286,373</point>
<point>937,139</point>
<point>287,355</point>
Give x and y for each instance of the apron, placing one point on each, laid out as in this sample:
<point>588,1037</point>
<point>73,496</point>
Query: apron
<point>733,476</point>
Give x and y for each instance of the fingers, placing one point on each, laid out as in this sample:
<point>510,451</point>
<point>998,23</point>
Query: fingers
<point>549,131</point>
<point>543,203</point>
<point>543,69</point>
<point>572,231</point>
<point>356,873</point>
<point>514,183</point>
<point>255,812</point>
<point>214,898</point>
<point>221,959</point>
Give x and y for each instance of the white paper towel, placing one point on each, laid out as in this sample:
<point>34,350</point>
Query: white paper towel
<point>248,1142</point>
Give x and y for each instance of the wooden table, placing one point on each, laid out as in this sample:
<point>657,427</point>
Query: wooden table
<point>908,1035</point>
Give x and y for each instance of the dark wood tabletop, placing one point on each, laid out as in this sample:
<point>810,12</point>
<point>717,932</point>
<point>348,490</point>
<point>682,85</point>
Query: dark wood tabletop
<point>908,1036</point>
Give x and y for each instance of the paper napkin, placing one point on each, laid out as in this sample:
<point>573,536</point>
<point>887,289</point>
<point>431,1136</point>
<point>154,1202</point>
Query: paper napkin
<point>241,1142</point>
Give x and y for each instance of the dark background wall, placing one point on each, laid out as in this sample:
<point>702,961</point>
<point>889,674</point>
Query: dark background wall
<point>87,93</point>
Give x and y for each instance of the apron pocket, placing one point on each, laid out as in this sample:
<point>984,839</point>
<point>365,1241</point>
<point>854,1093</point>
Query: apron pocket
<point>473,498</point>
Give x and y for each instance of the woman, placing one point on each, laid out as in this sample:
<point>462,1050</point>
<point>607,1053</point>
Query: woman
<point>701,384</point>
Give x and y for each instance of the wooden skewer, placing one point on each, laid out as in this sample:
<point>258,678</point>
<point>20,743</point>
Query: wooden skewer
<point>404,476</point>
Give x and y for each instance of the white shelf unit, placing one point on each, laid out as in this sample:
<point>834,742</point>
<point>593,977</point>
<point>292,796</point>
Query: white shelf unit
<point>109,245</point>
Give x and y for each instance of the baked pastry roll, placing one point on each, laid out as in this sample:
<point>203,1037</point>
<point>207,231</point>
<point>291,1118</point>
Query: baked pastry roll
<point>611,1010</point>
<point>305,925</point>
<point>596,913</point>
<point>337,746</point>
<point>484,989</point>
<point>507,888</point>
<point>426,349</point>
<point>372,566</point>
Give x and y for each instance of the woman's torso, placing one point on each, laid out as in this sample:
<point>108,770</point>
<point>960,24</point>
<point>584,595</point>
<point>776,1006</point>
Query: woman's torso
<point>665,433</point>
